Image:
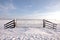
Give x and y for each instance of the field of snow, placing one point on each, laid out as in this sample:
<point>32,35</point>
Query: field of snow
<point>32,31</point>
<point>28,34</point>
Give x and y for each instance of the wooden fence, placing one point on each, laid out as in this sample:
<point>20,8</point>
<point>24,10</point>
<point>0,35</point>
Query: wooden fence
<point>48,24</point>
<point>10,24</point>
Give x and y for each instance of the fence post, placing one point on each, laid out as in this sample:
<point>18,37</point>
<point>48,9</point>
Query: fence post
<point>54,26</point>
<point>43,23</point>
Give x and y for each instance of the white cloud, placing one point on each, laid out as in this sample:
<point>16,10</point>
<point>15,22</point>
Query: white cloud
<point>28,6</point>
<point>52,16</point>
<point>6,8</point>
<point>53,6</point>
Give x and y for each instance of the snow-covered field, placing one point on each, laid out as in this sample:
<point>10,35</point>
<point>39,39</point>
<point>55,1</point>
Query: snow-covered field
<point>28,33</point>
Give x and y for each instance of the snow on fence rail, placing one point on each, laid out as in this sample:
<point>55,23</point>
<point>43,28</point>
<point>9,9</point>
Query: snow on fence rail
<point>35,23</point>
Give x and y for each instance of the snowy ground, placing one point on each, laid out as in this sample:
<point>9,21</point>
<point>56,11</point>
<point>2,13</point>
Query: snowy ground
<point>28,34</point>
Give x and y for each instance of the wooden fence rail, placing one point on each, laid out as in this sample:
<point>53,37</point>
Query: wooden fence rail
<point>49,24</point>
<point>46,24</point>
<point>10,24</point>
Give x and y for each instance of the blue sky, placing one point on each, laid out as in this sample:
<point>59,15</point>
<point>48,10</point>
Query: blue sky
<point>37,9</point>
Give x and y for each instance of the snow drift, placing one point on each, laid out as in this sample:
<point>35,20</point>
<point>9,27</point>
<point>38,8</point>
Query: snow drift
<point>28,34</point>
<point>27,30</point>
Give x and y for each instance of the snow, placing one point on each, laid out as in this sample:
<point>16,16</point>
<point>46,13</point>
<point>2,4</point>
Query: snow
<point>28,34</point>
<point>33,31</point>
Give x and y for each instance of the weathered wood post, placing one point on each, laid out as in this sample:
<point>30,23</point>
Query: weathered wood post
<point>43,23</point>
